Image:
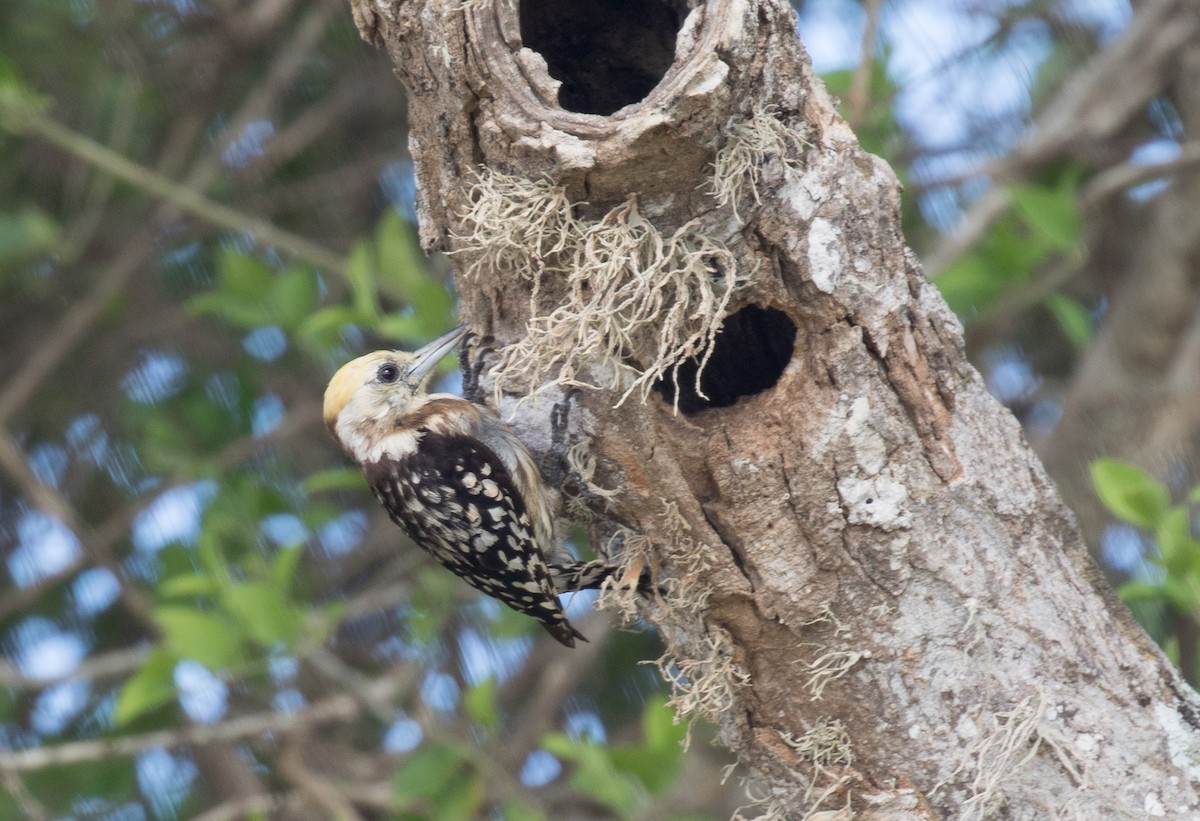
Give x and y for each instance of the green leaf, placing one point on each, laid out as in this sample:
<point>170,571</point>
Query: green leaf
<point>8,707</point>
<point>284,565</point>
<point>186,585</point>
<point>321,331</point>
<point>401,263</point>
<point>480,702</point>
<point>293,297</point>
<point>657,761</point>
<point>19,105</point>
<point>250,294</point>
<point>596,775</point>
<point>1181,595</point>
<point>970,285</point>
<point>244,277</point>
<point>61,787</point>
<point>25,234</point>
<point>360,270</point>
<point>402,327</point>
<point>1175,544</point>
<point>347,478</point>
<point>1140,591</point>
<point>1052,214</point>
<point>462,799</point>
<point>324,620</point>
<point>229,309</point>
<point>1170,648</point>
<point>404,275</point>
<point>316,514</point>
<point>263,612</point>
<point>426,774</point>
<point>209,638</point>
<point>208,546</point>
<point>1130,494</point>
<point>514,810</point>
<point>431,604</point>
<point>662,728</point>
<point>559,744</point>
<point>152,686</point>
<point>333,318</point>
<point>1072,318</point>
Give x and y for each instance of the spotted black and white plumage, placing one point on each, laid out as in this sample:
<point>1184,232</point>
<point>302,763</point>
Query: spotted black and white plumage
<point>457,479</point>
<point>454,497</point>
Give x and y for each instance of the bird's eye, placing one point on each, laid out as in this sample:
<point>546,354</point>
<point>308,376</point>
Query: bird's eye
<point>388,373</point>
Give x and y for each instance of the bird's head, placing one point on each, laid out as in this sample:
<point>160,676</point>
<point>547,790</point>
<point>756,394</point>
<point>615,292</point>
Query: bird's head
<point>384,382</point>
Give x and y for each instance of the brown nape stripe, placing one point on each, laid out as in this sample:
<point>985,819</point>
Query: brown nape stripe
<point>426,415</point>
<point>378,474</point>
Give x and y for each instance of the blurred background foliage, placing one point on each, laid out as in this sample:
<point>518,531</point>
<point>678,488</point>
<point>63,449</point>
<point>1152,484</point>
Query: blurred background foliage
<point>208,205</point>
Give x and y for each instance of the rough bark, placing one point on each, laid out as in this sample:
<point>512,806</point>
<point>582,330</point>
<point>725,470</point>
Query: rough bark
<point>869,541</point>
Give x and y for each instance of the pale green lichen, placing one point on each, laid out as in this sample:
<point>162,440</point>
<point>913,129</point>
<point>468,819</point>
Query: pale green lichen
<point>1012,741</point>
<point>739,164</point>
<point>633,303</point>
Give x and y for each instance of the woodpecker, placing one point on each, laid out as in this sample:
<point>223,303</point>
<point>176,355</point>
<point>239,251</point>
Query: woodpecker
<point>458,480</point>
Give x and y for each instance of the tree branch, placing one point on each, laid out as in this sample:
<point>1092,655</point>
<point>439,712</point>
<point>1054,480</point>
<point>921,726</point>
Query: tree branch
<point>1099,101</point>
<point>333,708</point>
<point>187,200</point>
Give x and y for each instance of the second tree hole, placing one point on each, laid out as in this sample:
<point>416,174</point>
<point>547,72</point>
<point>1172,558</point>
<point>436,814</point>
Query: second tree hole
<point>748,357</point>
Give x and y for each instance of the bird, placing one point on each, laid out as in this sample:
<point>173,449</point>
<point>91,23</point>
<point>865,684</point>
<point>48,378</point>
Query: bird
<point>458,480</point>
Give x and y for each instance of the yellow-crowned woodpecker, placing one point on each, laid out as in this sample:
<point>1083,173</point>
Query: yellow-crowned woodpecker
<point>457,479</point>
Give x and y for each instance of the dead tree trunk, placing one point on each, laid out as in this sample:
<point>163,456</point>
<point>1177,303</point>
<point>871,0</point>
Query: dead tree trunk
<point>871,586</point>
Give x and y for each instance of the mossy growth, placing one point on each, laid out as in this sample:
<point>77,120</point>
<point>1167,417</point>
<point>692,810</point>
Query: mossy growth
<point>633,303</point>
<point>739,164</point>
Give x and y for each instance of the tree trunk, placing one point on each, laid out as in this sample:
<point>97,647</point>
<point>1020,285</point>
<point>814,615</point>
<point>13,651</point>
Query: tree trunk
<point>868,581</point>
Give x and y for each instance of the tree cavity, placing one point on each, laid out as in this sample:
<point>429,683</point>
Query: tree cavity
<point>748,357</point>
<point>606,53</point>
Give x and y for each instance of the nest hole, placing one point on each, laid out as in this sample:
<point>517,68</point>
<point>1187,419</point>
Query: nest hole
<point>748,357</point>
<point>606,53</point>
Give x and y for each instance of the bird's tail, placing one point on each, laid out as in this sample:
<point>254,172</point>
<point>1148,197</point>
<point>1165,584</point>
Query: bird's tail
<point>572,576</point>
<point>562,630</point>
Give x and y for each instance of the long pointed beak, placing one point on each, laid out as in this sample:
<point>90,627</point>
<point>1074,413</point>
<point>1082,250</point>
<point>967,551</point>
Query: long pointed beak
<point>429,356</point>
